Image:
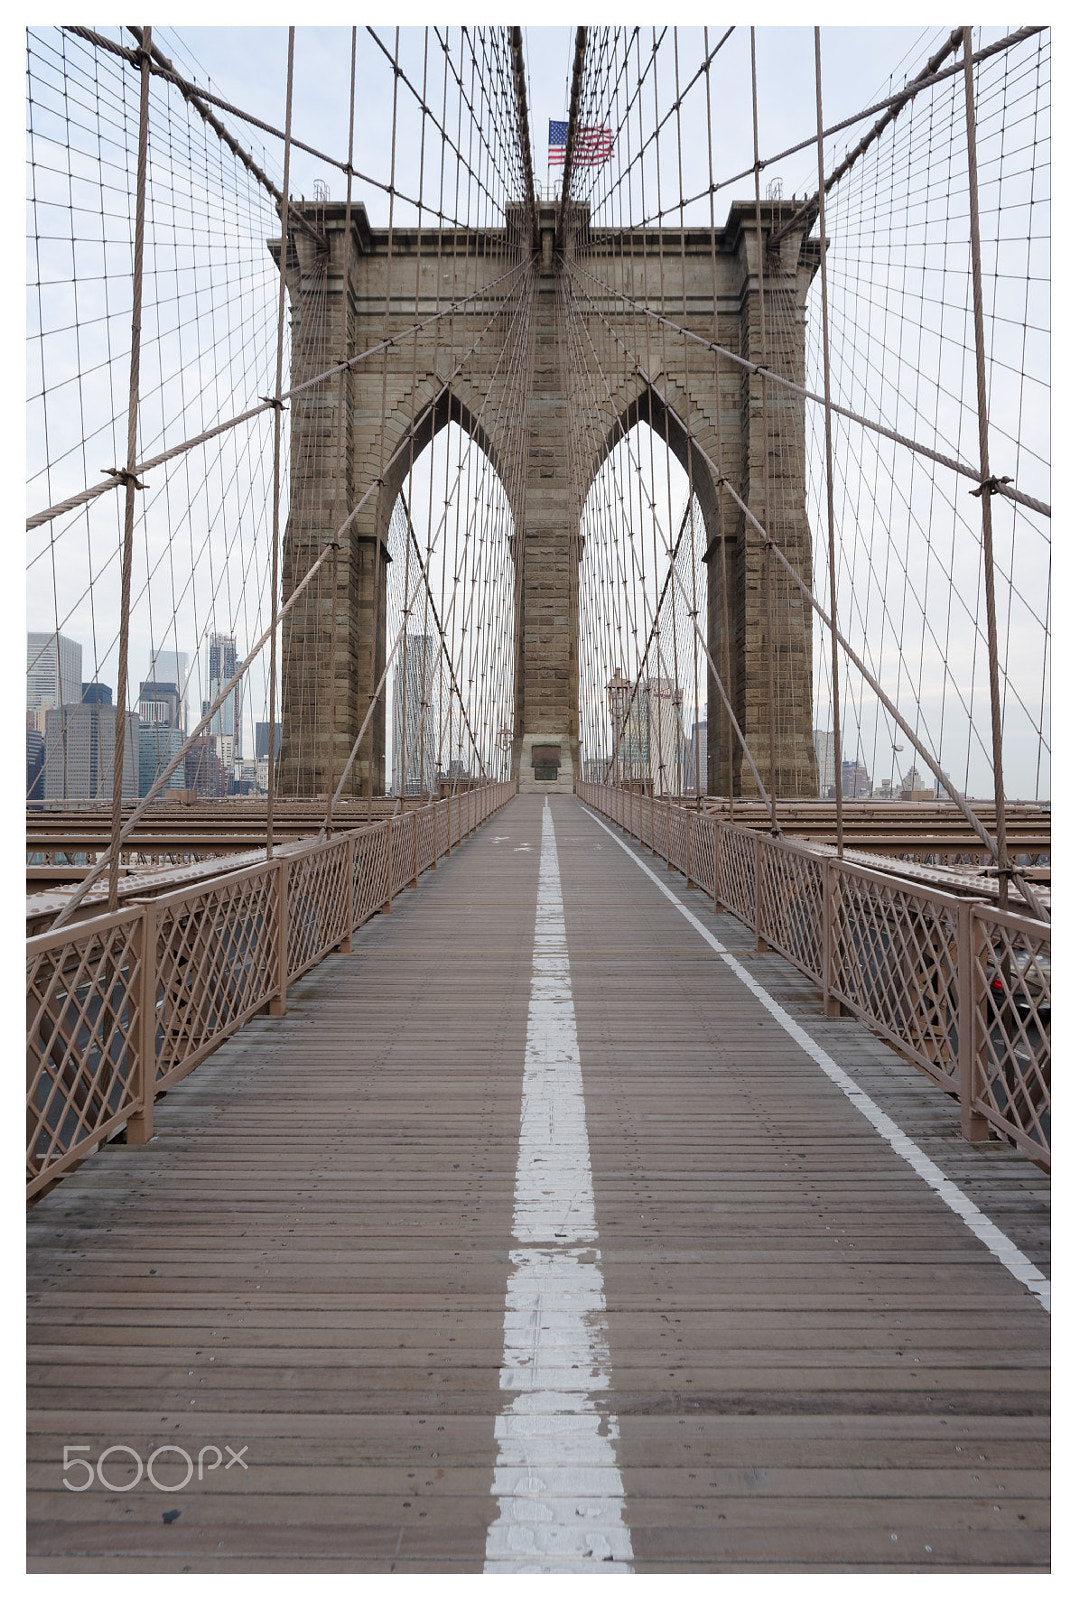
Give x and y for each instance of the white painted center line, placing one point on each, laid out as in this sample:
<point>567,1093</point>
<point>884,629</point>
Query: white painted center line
<point>1000,1246</point>
<point>560,1496</point>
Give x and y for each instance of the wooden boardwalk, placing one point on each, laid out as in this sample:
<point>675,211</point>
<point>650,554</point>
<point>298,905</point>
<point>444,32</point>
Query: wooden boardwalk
<point>799,1358</point>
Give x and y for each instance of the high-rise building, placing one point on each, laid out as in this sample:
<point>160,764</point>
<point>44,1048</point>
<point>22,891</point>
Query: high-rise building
<point>824,756</point>
<point>261,741</point>
<point>203,769</point>
<point>855,781</point>
<point>80,745</point>
<point>35,764</point>
<point>170,666</point>
<point>160,708</point>
<point>695,760</point>
<point>415,735</point>
<point>652,749</point>
<point>53,672</point>
<point>159,704</point>
<point>227,724</point>
<point>96,694</point>
<point>156,747</point>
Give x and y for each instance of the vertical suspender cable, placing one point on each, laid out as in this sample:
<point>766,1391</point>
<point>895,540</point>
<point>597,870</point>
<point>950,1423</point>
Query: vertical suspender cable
<point>278,407</point>
<point>985,490</point>
<point>130,481</point>
<point>829,451</point>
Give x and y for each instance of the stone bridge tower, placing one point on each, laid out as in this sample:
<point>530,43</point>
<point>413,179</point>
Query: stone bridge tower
<point>711,413</point>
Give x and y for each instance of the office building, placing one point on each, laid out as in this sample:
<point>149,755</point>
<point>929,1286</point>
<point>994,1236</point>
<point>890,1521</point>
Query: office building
<point>824,756</point>
<point>53,673</point>
<point>156,748</point>
<point>415,733</point>
<point>227,724</point>
<point>35,764</point>
<point>80,743</point>
<point>171,666</point>
<point>855,781</point>
<point>652,749</point>
<point>203,770</point>
<point>695,760</point>
<point>261,741</point>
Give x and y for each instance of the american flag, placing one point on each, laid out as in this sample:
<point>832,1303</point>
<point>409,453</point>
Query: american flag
<point>593,145</point>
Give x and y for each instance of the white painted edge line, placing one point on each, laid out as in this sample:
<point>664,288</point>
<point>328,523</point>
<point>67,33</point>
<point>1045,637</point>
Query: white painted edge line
<point>560,1497</point>
<point>1000,1246</point>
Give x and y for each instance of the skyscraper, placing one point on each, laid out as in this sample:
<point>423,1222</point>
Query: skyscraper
<point>80,744</point>
<point>53,672</point>
<point>160,735</point>
<point>261,741</point>
<point>653,745</point>
<point>824,755</point>
<point>170,666</point>
<point>227,724</point>
<point>415,735</point>
<point>695,760</point>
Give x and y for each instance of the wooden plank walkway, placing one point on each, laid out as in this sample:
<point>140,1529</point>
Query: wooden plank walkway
<point>805,1361</point>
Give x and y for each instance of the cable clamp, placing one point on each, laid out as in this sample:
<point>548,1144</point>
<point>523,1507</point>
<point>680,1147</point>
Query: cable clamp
<point>990,486</point>
<point>271,400</point>
<point>122,475</point>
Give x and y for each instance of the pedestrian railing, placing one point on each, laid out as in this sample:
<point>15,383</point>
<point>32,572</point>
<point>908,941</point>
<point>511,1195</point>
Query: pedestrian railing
<point>121,1006</point>
<point>956,985</point>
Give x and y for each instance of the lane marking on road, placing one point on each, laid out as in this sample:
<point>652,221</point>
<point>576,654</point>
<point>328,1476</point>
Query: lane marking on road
<point>999,1244</point>
<point>560,1496</point>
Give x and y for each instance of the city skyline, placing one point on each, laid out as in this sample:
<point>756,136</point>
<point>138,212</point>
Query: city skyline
<point>70,723</point>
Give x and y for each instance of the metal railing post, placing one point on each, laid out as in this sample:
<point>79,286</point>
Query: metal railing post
<point>974,1126</point>
<point>278,1004</point>
<point>760,942</point>
<point>349,899</point>
<point>832,1006</point>
<point>433,838</point>
<point>717,874</point>
<point>142,1038</point>
<point>415,849</point>
<point>387,904</point>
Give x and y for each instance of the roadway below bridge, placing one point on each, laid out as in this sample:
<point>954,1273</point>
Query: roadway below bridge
<point>543,1234</point>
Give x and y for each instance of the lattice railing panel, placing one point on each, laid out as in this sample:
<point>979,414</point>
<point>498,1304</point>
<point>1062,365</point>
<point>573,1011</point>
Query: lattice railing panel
<point>677,836</point>
<point>216,963</point>
<point>403,850</point>
<point>701,844</point>
<point>441,827</point>
<point>82,998</point>
<point>318,908</point>
<point>660,829</point>
<point>427,830</point>
<point>895,962</point>
<point>736,872</point>
<point>791,905</point>
<point>1012,1078</point>
<point>370,875</point>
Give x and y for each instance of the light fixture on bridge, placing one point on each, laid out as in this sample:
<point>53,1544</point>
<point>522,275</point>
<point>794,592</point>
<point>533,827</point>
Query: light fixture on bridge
<point>617,692</point>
